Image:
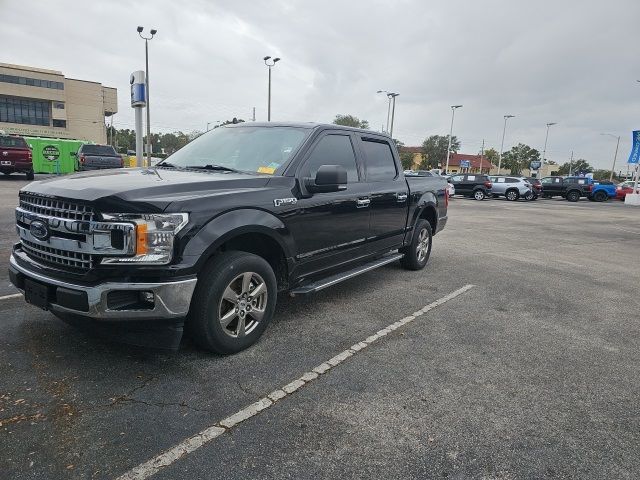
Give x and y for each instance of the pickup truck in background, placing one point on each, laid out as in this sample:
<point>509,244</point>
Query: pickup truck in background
<point>602,190</point>
<point>97,157</point>
<point>213,234</point>
<point>15,156</point>
<point>571,188</point>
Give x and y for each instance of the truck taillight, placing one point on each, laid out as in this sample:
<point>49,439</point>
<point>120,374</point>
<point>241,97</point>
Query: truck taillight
<point>81,158</point>
<point>488,184</point>
<point>589,187</point>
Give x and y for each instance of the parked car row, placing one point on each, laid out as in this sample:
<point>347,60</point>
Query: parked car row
<point>16,156</point>
<point>511,187</point>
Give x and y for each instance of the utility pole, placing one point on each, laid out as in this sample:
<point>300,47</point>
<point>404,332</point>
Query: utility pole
<point>482,156</point>
<point>393,111</point>
<point>153,31</point>
<point>254,114</point>
<point>453,113</point>
<point>504,129</point>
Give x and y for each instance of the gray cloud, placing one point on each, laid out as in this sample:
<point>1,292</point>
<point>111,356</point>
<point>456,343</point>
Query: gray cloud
<point>572,62</point>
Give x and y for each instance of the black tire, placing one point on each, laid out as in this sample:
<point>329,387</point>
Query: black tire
<point>207,303</point>
<point>600,197</point>
<point>30,175</point>
<point>573,195</point>
<point>512,195</point>
<point>479,194</point>
<point>412,259</point>
<point>529,196</point>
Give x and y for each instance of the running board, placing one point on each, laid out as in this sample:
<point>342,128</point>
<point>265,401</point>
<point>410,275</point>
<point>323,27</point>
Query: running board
<point>342,276</point>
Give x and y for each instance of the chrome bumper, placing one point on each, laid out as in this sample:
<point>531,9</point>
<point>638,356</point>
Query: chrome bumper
<point>171,299</point>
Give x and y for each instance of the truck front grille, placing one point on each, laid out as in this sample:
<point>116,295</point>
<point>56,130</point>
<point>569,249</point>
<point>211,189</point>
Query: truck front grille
<point>65,209</point>
<point>76,261</point>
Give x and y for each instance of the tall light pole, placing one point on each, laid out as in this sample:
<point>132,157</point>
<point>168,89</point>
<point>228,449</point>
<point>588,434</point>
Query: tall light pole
<point>153,31</point>
<point>615,155</point>
<point>388,106</point>
<point>453,114</point>
<point>269,64</point>
<point>392,96</point>
<point>544,151</point>
<point>504,129</point>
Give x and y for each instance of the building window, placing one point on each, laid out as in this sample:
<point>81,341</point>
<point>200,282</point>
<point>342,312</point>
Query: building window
<point>25,111</point>
<point>32,82</point>
<point>58,105</point>
<point>60,123</point>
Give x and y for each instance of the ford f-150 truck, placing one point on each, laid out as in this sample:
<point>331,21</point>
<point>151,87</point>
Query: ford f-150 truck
<point>211,236</point>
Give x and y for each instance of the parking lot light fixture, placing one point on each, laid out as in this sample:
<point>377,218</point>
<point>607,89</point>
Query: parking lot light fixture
<point>615,155</point>
<point>544,150</point>
<point>504,129</point>
<point>269,62</point>
<point>392,97</point>
<point>453,113</point>
<point>388,107</point>
<point>146,39</point>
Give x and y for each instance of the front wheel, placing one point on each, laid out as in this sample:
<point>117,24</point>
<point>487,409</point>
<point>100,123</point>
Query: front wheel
<point>529,196</point>
<point>600,197</point>
<point>416,254</point>
<point>233,302</point>
<point>512,195</point>
<point>479,194</point>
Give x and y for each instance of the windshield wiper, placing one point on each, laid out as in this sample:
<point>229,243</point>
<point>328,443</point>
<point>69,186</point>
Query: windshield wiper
<point>213,167</point>
<point>166,164</point>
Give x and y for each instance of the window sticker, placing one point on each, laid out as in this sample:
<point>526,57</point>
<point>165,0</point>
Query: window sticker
<point>267,170</point>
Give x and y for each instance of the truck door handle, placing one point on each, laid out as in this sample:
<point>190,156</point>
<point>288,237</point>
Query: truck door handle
<point>363,202</point>
<point>401,197</point>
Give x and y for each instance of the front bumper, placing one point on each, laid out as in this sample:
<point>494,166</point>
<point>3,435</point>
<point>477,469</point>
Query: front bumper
<point>171,299</point>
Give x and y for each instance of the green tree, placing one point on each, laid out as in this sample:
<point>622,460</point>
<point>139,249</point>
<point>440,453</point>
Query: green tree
<point>519,158</point>
<point>350,121</point>
<point>492,155</point>
<point>575,167</point>
<point>435,150</point>
<point>406,158</point>
<point>604,174</point>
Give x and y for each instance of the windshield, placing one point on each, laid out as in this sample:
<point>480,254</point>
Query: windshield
<point>98,150</point>
<point>12,142</point>
<point>256,149</point>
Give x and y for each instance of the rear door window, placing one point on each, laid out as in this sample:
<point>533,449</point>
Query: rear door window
<point>104,150</point>
<point>12,142</point>
<point>380,163</point>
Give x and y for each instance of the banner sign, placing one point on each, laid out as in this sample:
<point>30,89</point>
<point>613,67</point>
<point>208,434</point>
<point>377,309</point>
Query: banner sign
<point>465,163</point>
<point>535,165</point>
<point>635,148</point>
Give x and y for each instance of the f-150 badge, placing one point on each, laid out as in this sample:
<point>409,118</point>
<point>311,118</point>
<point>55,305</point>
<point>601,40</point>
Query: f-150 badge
<point>284,201</point>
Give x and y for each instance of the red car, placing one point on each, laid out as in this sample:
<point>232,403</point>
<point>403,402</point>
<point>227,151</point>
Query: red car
<point>624,188</point>
<point>15,156</point>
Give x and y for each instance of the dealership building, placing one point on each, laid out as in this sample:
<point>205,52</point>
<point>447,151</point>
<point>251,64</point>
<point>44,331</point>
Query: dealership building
<point>44,103</point>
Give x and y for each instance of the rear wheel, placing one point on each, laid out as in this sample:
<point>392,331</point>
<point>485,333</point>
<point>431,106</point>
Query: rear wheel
<point>512,195</point>
<point>600,196</point>
<point>479,194</point>
<point>573,196</point>
<point>416,255</point>
<point>233,303</point>
<point>529,196</point>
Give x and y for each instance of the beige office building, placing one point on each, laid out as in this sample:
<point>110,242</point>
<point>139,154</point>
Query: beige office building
<point>44,103</point>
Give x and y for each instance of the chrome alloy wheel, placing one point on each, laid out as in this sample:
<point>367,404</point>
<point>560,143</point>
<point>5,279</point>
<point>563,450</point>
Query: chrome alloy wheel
<point>243,304</point>
<point>422,249</point>
<point>512,195</point>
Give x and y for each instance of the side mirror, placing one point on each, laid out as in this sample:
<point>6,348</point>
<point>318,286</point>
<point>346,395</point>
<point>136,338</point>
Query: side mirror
<point>329,178</point>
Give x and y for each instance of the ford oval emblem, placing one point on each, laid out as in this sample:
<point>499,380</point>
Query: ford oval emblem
<point>39,229</point>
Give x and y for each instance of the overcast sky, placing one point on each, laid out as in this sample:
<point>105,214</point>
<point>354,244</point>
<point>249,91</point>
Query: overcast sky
<point>570,62</point>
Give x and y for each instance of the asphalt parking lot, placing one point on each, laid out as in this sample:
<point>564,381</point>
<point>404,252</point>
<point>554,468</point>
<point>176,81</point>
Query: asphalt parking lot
<point>531,373</point>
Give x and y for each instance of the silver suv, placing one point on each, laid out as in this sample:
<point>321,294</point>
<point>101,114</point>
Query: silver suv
<point>512,188</point>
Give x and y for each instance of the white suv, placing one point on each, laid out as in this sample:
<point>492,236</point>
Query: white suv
<point>512,188</point>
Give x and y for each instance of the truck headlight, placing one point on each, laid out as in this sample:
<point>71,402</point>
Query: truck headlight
<point>154,237</point>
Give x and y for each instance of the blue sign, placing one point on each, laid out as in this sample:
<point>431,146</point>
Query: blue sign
<point>465,163</point>
<point>635,148</point>
<point>535,165</point>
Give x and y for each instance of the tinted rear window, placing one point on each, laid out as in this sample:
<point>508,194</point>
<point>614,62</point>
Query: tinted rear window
<point>13,142</point>
<point>106,150</point>
<point>380,163</point>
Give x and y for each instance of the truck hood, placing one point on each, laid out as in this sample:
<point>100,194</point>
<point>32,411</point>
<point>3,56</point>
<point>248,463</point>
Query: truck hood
<point>130,190</point>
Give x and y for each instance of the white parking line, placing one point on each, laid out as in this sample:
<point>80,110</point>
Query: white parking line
<point>166,458</point>
<point>13,295</point>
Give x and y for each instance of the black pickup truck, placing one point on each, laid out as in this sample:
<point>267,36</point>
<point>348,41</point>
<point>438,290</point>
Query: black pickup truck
<point>209,237</point>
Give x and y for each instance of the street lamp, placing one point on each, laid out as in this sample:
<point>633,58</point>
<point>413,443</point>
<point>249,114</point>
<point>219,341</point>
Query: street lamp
<point>453,113</point>
<point>504,129</point>
<point>153,31</point>
<point>388,106</point>
<point>392,96</point>
<point>270,64</point>
<point>615,155</point>
<point>544,151</point>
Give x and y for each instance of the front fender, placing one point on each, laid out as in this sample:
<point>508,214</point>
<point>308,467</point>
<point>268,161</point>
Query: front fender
<point>236,222</point>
